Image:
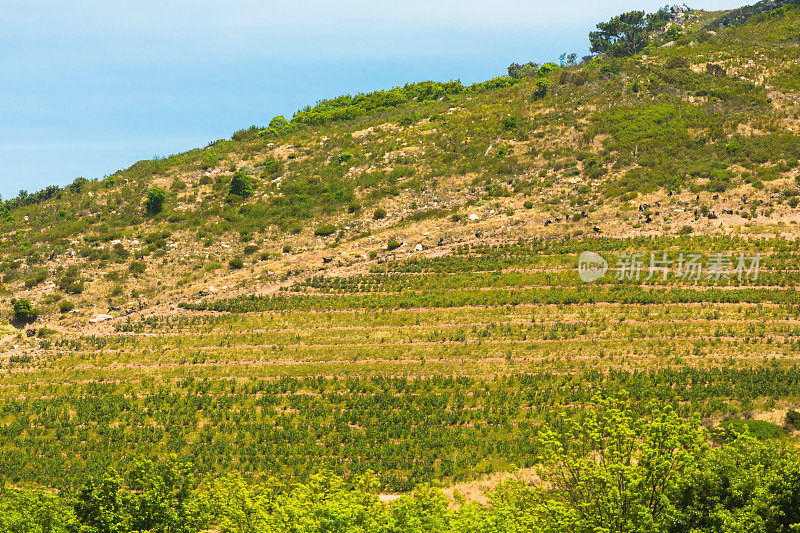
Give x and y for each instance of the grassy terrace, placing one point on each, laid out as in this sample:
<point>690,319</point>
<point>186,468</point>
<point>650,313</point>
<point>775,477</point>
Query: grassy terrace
<point>406,368</point>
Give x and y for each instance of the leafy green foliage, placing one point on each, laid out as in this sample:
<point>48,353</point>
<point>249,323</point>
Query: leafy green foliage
<point>608,472</point>
<point>348,107</point>
<point>623,35</point>
<point>151,498</point>
<point>741,486</point>
<point>325,230</point>
<point>23,511</point>
<point>272,167</point>
<point>793,419</point>
<point>241,185</point>
<point>542,85</point>
<point>615,469</point>
<point>154,203</point>
<point>23,312</point>
<point>758,429</point>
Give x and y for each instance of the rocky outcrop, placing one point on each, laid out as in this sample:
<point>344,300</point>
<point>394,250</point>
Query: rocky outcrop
<point>741,15</point>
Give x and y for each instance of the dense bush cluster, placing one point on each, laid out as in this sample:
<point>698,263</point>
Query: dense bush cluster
<point>611,470</point>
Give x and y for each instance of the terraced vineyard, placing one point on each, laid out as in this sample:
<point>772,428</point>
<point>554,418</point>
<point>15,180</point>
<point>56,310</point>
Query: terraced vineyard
<point>419,368</point>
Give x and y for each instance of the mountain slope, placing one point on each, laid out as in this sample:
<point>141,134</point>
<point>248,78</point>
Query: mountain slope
<point>706,123</point>
<point>388,282</point>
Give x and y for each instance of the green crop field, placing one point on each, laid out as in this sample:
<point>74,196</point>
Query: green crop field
<point>418,370</point>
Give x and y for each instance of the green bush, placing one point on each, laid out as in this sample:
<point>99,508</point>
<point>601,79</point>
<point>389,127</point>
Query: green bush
<point>154,204</point>
<point>71,281</point>
<point>278,121</point>
<point>379,214</point>
<point>137,267</point>
<point>236,263</point>
<point>250,249</point>
<point>66,306</point>
<point>758,429</point>
<point>542,85</point>
<point>241,185</point>
<point>393,245</point>
<point>509,123</point>
<point>210,159</point>
<point>792,419</point>
<point>23,311</point>
<point>272,167</point>
<point>325,230</point>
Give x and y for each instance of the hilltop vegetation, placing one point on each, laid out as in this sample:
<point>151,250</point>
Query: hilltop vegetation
<point>701,129</point>
<point>379,297</point>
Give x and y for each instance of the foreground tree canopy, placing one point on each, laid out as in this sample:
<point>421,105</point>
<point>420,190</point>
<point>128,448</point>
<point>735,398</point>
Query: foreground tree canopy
<point>610,470</point>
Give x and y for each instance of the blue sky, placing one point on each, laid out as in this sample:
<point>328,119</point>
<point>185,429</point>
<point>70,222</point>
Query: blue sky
<point>90,87</point>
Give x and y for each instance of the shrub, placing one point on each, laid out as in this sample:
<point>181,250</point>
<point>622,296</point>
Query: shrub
<point>509,123</point>
<point>154,204</point>
<point>241,185</point>
<point>66,307</point>
<point>325,230</point>
<point>677,62</point>
<point>759,429</point>
<point>685,230</point>
<point>528,204</point>
<point>542,84</point>
<point>278,121</point>
<point>373,254</point>
<point>137,267</point>
<point>38,277</point>
<point>236,263</point>
<point>210,159</point>
<point>393,245</point>
<point>715,71</point>
<point>23,311</point>
<point>71,281</point>
<point>250,249</point>
<point>379,214</point>
<point>287,248</point>
<point>272,167</point>
<point>792,419</point>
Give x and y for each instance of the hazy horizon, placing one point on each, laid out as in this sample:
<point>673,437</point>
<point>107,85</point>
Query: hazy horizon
<point>92,87</point>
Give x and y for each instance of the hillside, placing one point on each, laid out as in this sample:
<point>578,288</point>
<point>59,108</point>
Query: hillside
<point>388,283</point>
<point>700,132</point>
